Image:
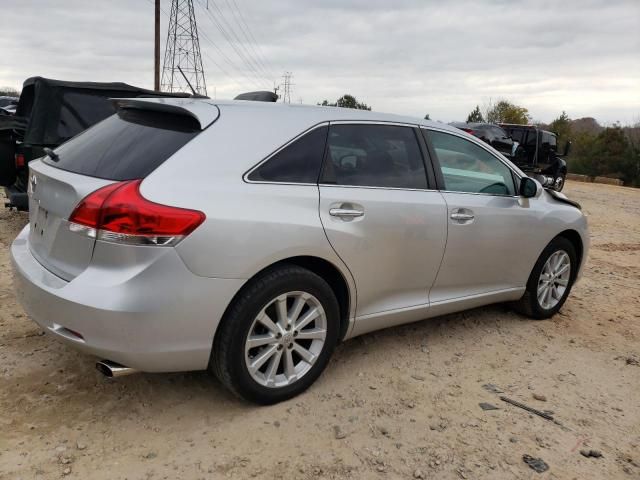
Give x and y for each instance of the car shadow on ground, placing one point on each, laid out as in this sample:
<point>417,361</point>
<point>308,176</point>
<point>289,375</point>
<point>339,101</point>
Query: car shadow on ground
<point>75,373</point>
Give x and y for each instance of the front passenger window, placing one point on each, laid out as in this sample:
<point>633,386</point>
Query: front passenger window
<point>466,167</point>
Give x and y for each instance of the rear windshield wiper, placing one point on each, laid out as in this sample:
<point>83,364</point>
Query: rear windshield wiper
<point>51,154</point>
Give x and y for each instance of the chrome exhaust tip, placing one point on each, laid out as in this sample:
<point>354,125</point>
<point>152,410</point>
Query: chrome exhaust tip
<point>112,369</point>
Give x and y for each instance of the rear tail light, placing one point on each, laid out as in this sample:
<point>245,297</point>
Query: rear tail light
<point>19,160</point>
<point>119,213</point>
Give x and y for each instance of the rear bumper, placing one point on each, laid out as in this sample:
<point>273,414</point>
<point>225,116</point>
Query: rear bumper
<point>158,318</point>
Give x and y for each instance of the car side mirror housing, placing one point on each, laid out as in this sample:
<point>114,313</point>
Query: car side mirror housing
<point>528,187</point>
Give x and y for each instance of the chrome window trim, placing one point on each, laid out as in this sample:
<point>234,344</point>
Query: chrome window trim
<point>374,122</point>
<point>480,193</point>
<point>245,177</point>
<point>378,188</point>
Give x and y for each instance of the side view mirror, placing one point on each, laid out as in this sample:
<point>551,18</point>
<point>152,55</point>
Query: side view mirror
<point>528,187</point>
<point>567,148</point>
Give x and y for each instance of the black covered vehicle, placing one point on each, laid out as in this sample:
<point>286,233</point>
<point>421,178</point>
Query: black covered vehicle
<point>490,133</point>
<point>50,112</point>
<point>537,154</point>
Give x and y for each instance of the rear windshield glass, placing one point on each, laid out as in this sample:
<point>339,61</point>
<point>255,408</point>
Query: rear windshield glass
<point>126,146</point>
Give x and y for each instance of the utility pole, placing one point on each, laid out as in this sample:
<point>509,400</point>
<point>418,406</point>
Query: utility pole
<point>286,96</point>
<point>156,52</point>
<point>182,66</point>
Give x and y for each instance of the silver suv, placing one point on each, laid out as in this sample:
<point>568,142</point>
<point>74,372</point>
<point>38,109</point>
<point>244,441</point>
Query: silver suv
<point>250,238</point>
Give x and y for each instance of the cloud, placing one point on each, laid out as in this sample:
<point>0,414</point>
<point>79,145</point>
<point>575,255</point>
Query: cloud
<point>406,56</point>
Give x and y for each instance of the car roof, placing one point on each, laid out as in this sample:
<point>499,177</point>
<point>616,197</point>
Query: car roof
<point>308,114</point>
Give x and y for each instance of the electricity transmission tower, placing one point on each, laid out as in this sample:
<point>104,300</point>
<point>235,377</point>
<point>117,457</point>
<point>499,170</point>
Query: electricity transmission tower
<point>182,51</point>
<point>286,96</point>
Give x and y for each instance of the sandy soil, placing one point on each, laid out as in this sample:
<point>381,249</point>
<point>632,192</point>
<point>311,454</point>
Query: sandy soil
<point>401,403</point>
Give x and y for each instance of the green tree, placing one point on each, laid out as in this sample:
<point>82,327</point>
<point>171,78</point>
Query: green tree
<point>347,101</point>
<point>475,116</point>
<point>561,126</point>
<point>427,117</point>
<point>609,153</point>
<point>506,112</point>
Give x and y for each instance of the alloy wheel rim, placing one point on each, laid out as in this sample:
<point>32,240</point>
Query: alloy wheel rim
<point>285,339</point>
<point>554,279</point>
<point>559,182</point>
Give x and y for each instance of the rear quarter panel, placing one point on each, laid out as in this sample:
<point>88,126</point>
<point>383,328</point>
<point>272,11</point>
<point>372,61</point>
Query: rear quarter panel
<point>249,226</point>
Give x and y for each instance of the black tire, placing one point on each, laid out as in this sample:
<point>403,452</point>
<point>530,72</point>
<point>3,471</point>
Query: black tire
<point>228,354</point>
<point>560,181</point>
<point>529,305</point>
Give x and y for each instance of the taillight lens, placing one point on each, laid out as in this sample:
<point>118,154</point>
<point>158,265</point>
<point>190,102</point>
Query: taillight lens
<point>119,213</point>
<point>19,160</point>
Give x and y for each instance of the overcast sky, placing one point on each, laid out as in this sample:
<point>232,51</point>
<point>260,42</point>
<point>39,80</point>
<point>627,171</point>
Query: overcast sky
<point>402,56</point>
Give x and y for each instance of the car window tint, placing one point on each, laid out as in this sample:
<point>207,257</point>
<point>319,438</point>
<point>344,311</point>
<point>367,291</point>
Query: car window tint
<point>374,156</point>
<point>517,135</point>
<point>126,146</point>
<point>298,162</point>
<point>466,167</point>
<point>498,133</point>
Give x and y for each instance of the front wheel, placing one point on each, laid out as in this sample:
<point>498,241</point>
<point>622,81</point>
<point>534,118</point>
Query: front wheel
<point>550,281</point>
<point>558,183</point>
<point>278,335</point>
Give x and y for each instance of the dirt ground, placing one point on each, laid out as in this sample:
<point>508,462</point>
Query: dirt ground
<point>401,403</point>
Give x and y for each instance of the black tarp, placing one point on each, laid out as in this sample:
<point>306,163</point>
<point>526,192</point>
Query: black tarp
<point>58,110</point>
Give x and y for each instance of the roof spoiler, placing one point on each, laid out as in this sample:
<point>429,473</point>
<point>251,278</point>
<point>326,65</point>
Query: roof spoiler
<point>260,96</point>
<point>203,112</point>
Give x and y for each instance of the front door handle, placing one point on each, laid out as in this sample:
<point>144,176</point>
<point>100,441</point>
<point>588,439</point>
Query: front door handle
<point>462,216</point>
<point>346,212</point>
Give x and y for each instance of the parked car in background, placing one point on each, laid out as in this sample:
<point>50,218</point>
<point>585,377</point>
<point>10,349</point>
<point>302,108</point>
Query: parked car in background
<point>538,155</point>
<point>50,112</point>
<point>189,234</point>
<point>491,134</point>
<point>8,105</point>
<point>6,101</point>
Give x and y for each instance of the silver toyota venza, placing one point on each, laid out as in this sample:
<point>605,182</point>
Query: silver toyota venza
<point>249,238</point>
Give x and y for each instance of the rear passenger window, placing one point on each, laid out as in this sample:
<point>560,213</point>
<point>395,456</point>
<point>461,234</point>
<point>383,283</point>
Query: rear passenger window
<point>374,156</point>
<point>298,162</point>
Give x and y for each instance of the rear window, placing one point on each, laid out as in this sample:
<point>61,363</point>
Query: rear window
<point>126,146</point>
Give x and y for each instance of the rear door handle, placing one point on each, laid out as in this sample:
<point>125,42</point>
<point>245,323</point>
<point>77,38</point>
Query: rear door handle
<point>346,212</point>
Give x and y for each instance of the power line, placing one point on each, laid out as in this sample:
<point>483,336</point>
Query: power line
<point>251,58</point>
<point>247,62</point>
<point>246,31</point>
<point>239,42</point>
<point>267,61</point>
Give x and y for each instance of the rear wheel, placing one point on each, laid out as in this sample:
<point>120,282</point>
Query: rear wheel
<point>550,281</point>
<point>278,336</point>
<point>558,184</point>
